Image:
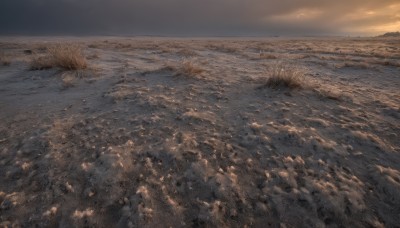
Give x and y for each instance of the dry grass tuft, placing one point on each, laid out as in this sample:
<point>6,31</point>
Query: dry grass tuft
<point>186,68</point>
<point>122,92</point>
<point>66,57</point>
<point>282,75</point>
<point>68,80</point>
<point>189,69</point>
<point>267,56</point>
<point>5,60</point>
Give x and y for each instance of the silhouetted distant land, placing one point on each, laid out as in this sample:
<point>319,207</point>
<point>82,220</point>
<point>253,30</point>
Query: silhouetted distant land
<point>390,34</point>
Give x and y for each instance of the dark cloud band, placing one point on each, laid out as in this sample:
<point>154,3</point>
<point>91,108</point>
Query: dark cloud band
<point>193,17</point>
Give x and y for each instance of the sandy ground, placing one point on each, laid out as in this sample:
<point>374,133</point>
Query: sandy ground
<point>128,142</point>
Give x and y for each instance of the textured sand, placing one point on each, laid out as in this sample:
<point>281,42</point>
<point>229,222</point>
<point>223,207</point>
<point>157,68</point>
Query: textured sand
<point>141,140</point>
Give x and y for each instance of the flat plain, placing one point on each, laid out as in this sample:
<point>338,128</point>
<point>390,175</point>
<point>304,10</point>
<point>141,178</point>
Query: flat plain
<point>190,132</point>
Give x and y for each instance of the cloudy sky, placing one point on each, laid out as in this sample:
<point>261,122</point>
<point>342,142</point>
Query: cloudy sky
<point>199,17</point>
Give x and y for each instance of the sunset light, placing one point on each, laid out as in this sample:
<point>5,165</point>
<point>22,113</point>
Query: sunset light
<point>200,113</point>
<point>193,17</point>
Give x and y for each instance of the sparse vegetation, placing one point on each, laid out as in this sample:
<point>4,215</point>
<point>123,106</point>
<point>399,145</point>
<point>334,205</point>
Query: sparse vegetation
<point>121,93</point>
<point>145,138</point>
<point>68,57</point>
<point>282,75</point>
<point>264,55</point>
<point>185,68</point>
<point>5,60</point>
<point>188,68</point>
<point>68,80</point>
<point>62,56</point>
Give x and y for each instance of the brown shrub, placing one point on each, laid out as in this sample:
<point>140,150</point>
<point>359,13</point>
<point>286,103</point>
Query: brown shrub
<point>68,80</point>
<point>187,52</point>
<point>282,75</point>
<point>189,69</point>
<point>66,57</point>
<point>184,68</point>
<point>5,60</point>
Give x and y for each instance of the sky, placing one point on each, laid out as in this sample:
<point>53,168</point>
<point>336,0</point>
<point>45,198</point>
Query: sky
<point>199,17</point>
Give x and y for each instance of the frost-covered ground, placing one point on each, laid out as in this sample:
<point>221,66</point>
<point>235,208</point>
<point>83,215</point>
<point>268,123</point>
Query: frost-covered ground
<point>138,140</point>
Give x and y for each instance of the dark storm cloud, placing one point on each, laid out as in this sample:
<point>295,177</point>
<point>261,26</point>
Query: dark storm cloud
<point>195,17</point>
